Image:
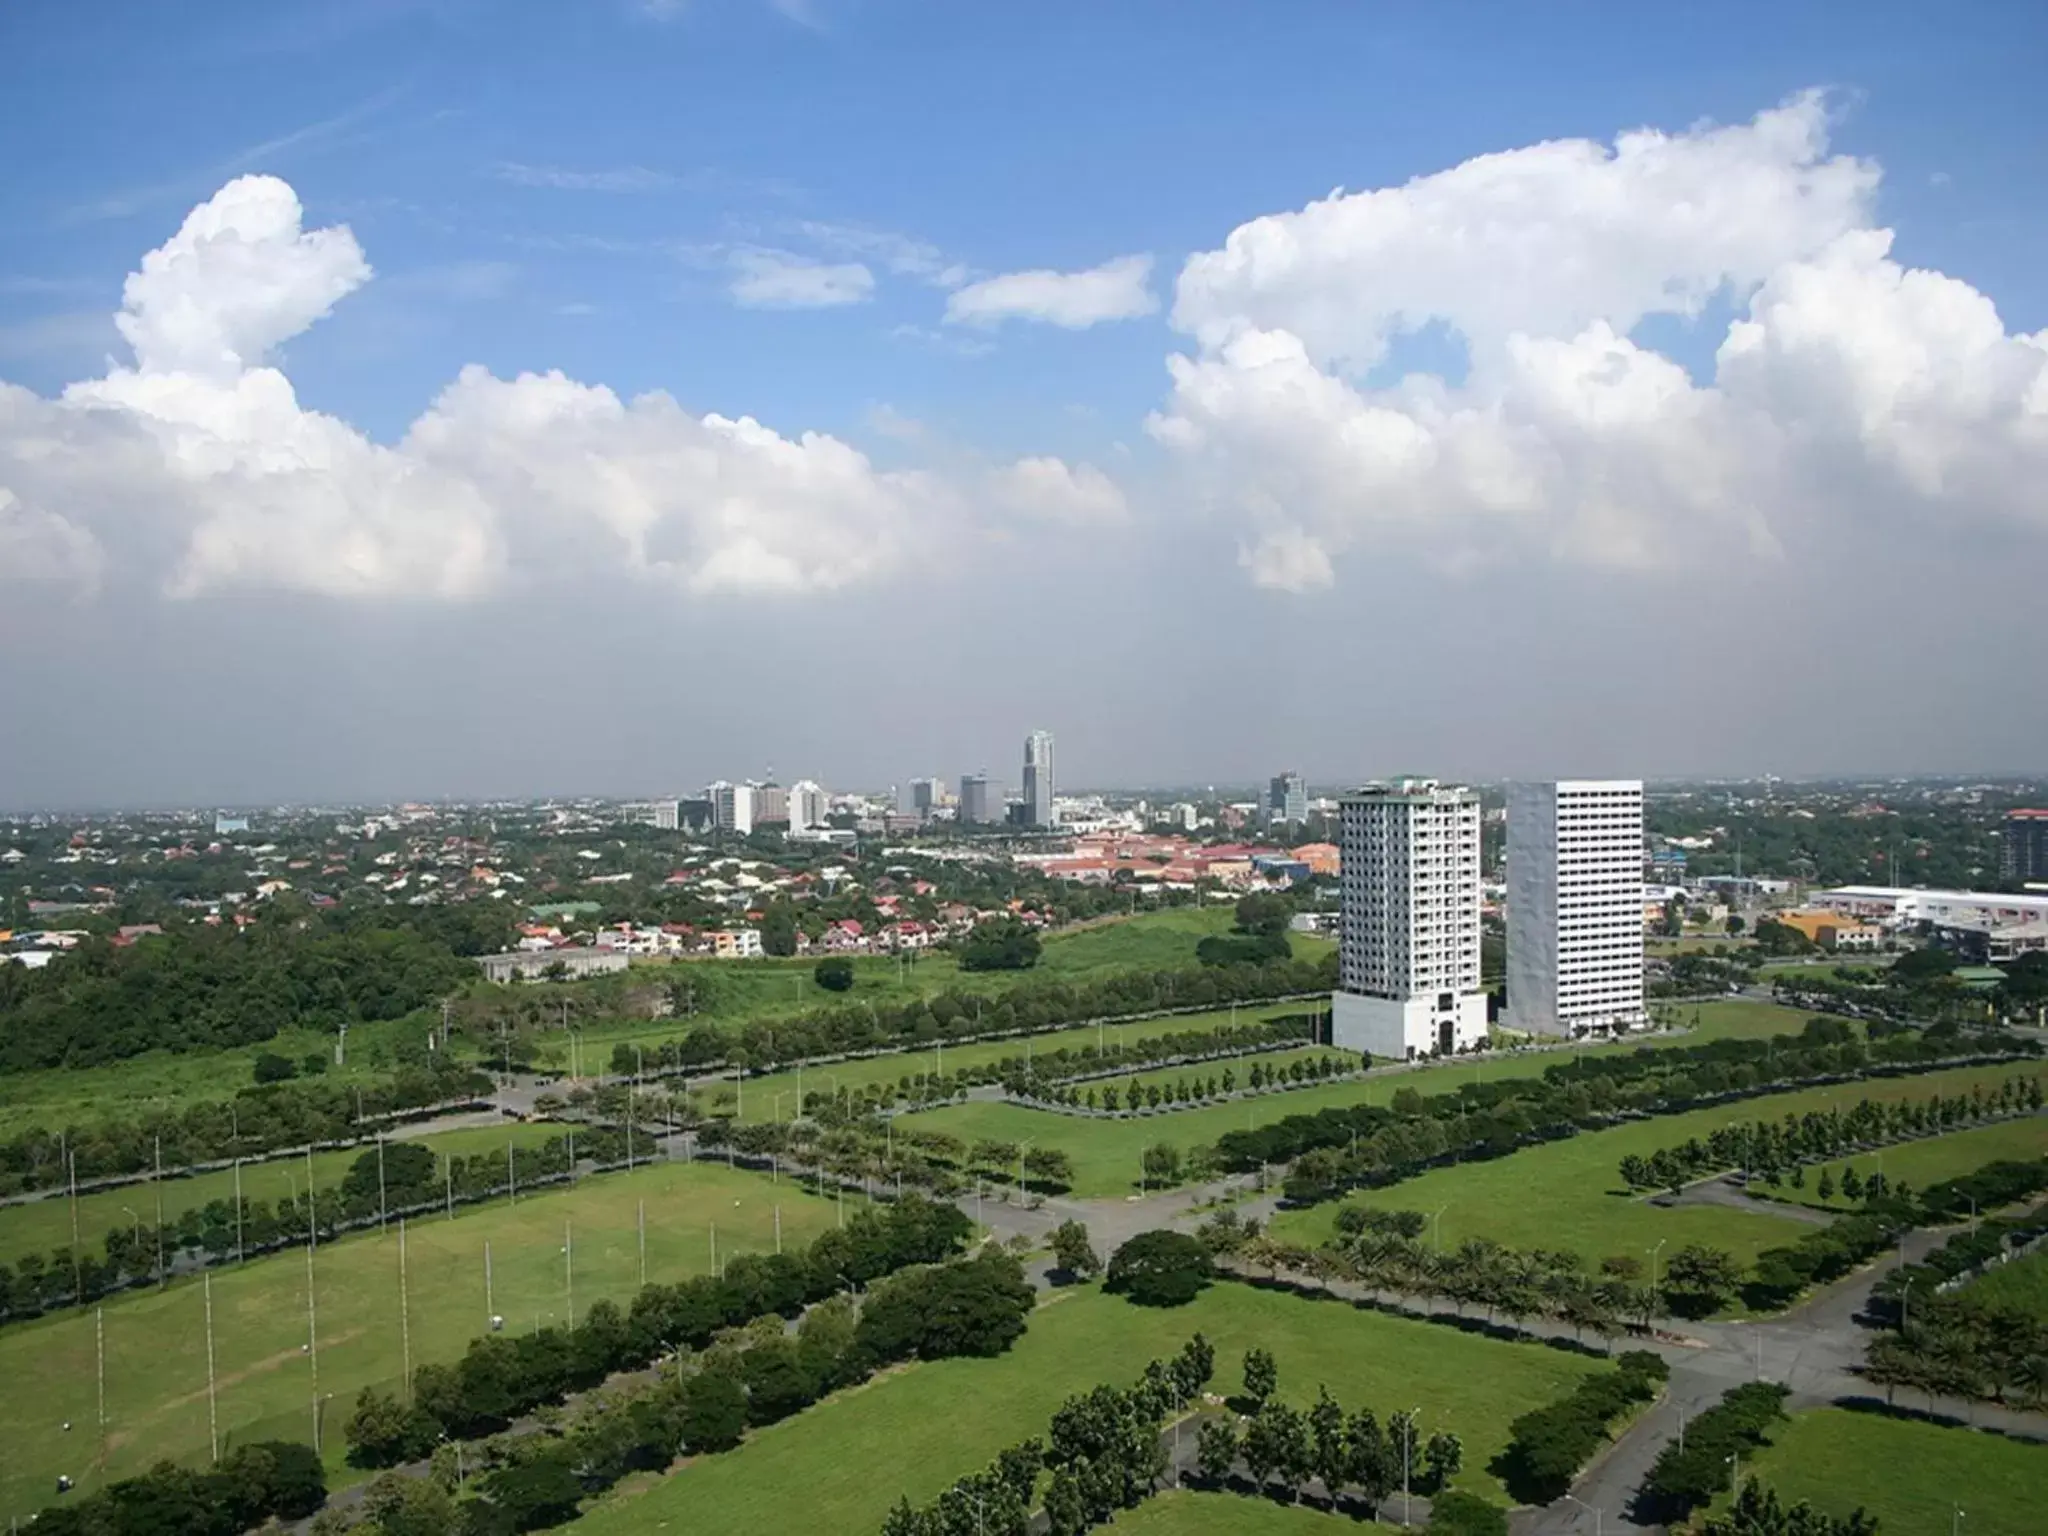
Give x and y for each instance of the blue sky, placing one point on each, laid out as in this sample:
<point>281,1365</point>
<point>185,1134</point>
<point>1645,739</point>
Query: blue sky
<point>583,187</point>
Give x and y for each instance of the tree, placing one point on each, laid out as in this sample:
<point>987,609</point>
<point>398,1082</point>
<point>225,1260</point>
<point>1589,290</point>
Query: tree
<point>1071,1252</point>
<point>834,974</point>
<point>1261,1375</point>
<point>400,1172</point>
<point>1329,1454</point>
<point>381,1431</point>
<point>1735,923</point>
<point>1159,1269</point>
<point>1162,1163</point>
<point>409,1506</point>
<point>1216,1450</point>
<point>541,1492</point>
<point>1455,1513</point>
<point>1004,944</point>
<point>778,929</point>
<point>1441,1459</point>
<point>714,1412</point>
<point>270,1067</point>
<point>1263,913</point>
<point>1697,1280</point>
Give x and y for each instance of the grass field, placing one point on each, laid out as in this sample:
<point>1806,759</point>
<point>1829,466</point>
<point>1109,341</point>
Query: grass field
<point>44,1226</point>
<point>2020,1283</point>
<point>1179,1513</point>
<point>1567,1194</point>
<point>762,1092</point>
<point>761,989</point>
<point>1911,1475</point>
<point>840,1466</point>
<point>1105,1153</point>
<point>123,1089</point>
<point>156,1341</point>
<point>1922,1163</point>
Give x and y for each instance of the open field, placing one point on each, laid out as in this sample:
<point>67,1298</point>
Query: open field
<point>1912,1476</point>
<point>43,1226</point>
<point>2020,1283</point>
<point>1567,1194</point>
<point>1921,1163</point>
<point>121,1090</point>
<point>761,1092</point>
<point>729,990</point>
<point>1181,1513</point>
<point>1105,1153</point>
<point>840,1466</point>
<point>156,1340</point>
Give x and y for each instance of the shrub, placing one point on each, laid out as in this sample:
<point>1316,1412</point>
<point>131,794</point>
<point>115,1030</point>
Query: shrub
<point>834,975</point>
<point>1454,1513</point>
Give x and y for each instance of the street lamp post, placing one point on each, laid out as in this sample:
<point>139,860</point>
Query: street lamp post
<point>1584,1505</point>
<point>1407,1458</point>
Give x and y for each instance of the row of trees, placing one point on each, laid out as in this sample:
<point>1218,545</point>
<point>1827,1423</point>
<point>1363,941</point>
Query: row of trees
<point>398,1179</point>
<point>1347,1453</point>
<point>1029,1008</point>
<point>501,1377</point>
<point>252,1484</point>
<point>1136,1096</point>
<point>1341,1148</point>
<point>1771,1147</point>
<point>1688,1475</point>
<point>1102,1449</point>
<point>1547,1446</point>
<point>256,1121</point>
<point>752,1375</point>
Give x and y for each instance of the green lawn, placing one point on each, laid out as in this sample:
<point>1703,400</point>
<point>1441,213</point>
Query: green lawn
<point>729,990</point>
<point>761,1092</point>
<point>839,1467</point>
<point>1223,1514</point>
<point>1105,1153</point>
<point>1911,1475</point>
<point>156,1341</point>
<point>2021,1283</point>
<point>1922,1163</point>
<point>121,1090</point>
<point>1567,1194</point>
<point>44,1226</point>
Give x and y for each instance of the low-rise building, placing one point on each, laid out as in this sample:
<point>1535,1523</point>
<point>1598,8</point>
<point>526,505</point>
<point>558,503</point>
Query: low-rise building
<point>537,965</point>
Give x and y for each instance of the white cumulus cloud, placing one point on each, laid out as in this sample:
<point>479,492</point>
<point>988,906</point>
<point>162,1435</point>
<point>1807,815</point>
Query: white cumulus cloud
<point>1116,290</point>
<point>1849,391</point>
<point>198,467</point>
<point>1055,491</point>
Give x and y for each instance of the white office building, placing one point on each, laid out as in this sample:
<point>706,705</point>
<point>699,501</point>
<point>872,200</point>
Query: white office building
<point>806,805</point>
<point>1575,906</point>
<point>1038,780</point>
<point>732,807</point>
<point>1408,941</point>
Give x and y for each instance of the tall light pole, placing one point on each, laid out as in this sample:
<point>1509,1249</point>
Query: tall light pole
<point>1407,1458</point>
<point>212,1414</point>
<point>1653,1266</point>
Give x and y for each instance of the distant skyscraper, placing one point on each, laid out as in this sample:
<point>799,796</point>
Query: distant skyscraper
<point>980,802</point>
<point>771,804</point>
<point>1287,800</point>
<point>1408,948</point>
<point>1038,779</point>
<point>922,798</point>
<point>1575,906</point>
<point>732,807</point>
<point>806,806</point>
<point>2023,847</point>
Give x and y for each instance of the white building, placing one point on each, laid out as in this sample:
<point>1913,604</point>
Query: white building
<point>806,806</point>
<point>732,807</point>
<point>1575,903</point>
<point>1038,780</point>
<point>1408,944</point>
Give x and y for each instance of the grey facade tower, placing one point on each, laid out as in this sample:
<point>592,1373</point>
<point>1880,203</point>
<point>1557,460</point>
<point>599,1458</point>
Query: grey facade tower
<point>1575,906</point>
<point>1287,800</point>
<point>1038,780</point>
<point>980,802</point>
